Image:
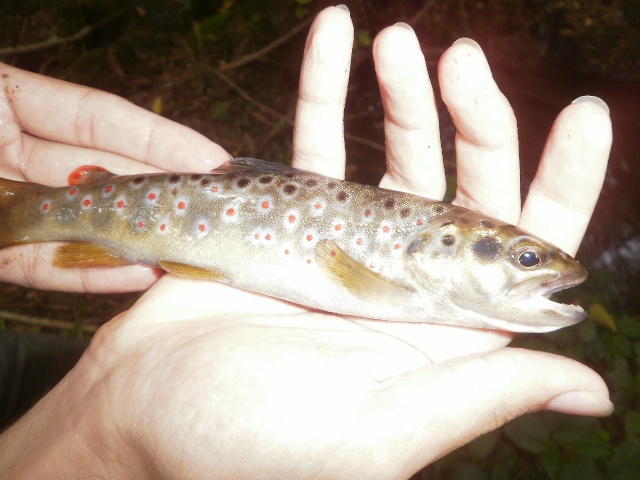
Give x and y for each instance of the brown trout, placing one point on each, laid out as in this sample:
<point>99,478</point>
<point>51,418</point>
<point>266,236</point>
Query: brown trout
<point>328,244</point>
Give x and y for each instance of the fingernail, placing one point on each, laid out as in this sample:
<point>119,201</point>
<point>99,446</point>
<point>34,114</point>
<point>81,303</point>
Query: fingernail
<point>593,99</point>
<point>343,7</point>
<point>404,25</point>
<point>467,41</point>
<point>582,403</point>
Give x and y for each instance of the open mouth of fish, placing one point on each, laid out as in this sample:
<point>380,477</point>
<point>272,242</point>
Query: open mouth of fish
<point>539,293</point>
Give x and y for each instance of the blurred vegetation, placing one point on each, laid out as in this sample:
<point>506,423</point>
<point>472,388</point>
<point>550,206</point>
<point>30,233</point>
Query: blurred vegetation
<point>202,64</point>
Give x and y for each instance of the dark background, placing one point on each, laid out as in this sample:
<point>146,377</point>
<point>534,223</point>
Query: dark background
<point>178,58</point>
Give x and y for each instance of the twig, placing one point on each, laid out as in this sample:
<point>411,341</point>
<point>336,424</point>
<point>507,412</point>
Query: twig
<point>46,322</point>
<point>421,13</point>
<point>53,41</point>
<point>266,108</point>
<point>251,57</point>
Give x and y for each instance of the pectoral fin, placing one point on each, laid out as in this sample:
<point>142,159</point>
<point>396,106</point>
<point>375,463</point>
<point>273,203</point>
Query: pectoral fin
<point>192,272</point>
<point>89,174</point>
<point>86,255</point>
<point>355,277</point>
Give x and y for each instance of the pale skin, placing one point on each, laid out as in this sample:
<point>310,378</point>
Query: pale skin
<point>201,380</point>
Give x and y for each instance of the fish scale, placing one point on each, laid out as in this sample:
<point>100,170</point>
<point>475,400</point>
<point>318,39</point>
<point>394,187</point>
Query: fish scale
<point>325,243</point>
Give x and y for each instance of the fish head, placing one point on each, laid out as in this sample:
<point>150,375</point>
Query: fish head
<point>490,274</point>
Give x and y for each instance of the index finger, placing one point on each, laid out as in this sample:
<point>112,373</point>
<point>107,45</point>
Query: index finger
<point>62,112</point>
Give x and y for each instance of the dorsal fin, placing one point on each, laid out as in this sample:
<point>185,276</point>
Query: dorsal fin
<point>246,164</point>
<point>89,174</point>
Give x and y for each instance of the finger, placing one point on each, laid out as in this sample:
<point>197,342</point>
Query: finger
<point>414,155</point>
<point>30,266</point>
<point>486,138</point>
<point>62,112</point>
<point>318,138</point>
<point>61,159</point>
<point>570,176</point>
<point>480,393</point>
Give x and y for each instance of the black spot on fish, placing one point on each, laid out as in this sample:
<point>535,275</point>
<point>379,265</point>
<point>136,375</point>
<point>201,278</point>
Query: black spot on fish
<point>448,240</point>
<point>342,196</point>
<point>331,185</point>
<point>195,177</point>
<point>174,192</point>
<point>205,182</point>
<point>174,178</point>
<point>414,246</point>
<point>487,223</point>
<point>243,182</point>
<point>438,209</point>
<point>404,213</point>
<point>289,175</point>
<point>487,248</point>
<point>265,179</point>
<point>312,182</point>
<point>389,204</point>
<point>289,189</point>
<point>138,180</point>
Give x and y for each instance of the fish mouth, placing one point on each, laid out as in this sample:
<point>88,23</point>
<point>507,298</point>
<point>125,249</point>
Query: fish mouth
<point>537,292</point>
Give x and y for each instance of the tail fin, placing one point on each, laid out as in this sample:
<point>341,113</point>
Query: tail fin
<point>10,191</point>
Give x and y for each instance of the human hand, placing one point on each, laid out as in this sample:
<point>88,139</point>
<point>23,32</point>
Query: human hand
<point>202,380</point>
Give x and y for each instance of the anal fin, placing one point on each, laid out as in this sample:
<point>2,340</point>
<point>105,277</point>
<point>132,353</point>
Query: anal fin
<point>357,278</point>
<point>86,255</point>
<point>190,271</point>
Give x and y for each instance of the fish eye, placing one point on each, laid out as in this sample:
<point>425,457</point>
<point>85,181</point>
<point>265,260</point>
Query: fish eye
<point>529,259</point>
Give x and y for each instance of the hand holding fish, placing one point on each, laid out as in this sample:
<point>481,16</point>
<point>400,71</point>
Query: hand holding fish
<point>202,380</point>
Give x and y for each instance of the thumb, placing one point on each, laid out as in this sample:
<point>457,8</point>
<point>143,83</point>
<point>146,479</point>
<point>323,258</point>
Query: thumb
<point>441,407</point>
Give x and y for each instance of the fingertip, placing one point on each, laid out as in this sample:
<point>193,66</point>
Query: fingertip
<point>595,100</point>
<point>592,404</point>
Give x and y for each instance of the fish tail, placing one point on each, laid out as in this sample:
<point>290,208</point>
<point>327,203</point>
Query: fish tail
<point>11,193</point>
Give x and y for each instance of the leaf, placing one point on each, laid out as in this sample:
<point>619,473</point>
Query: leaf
<point>600,315</point>
<point>363,39</point>
<point>157,105</point>
<point>529,433</point>
<point>629,327</point>
<point>632,425</point>
<point>484,445</point>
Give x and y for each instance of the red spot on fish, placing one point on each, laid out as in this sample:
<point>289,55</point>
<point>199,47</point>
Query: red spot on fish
<point>84,174</point>
<point>372,266</point>
<point>86,202</point>
<point>257,236</point>
<point>286,252</point>
<point>367,213</point>
<point>120,204</point>
<point>265,204</point>
<point>386,229</point>
<point>181,205</point>
<point>309,237</point>
<point>214,189</point>
<point>140,224</point>
<point>231,212</point>
<point>72,191</point>
<point>292,218</point>
<point>333,253</point>
<point>202,227</point>
<point>152,196</point>
<point>309,261</point>
<point>267,237</point>
<point>397,246</point>
<point>360,241</point>
<point>338,227</point>
<point>318,206</point>
<point>108,188</point>
<point>419,222</point>
<point>45,206</point>
<point>163,227</point>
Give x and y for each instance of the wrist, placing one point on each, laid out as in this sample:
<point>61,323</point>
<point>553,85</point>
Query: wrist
<point>71,432</point>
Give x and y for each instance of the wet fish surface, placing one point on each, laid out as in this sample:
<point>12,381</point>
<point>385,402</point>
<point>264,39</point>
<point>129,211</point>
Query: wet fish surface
<point>324,243</point>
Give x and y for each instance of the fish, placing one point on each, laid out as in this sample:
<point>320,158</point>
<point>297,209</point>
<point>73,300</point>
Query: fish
<point>328,244</point>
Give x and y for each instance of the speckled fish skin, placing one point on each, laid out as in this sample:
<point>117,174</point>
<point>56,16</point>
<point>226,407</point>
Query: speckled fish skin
<point>325,243</point>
